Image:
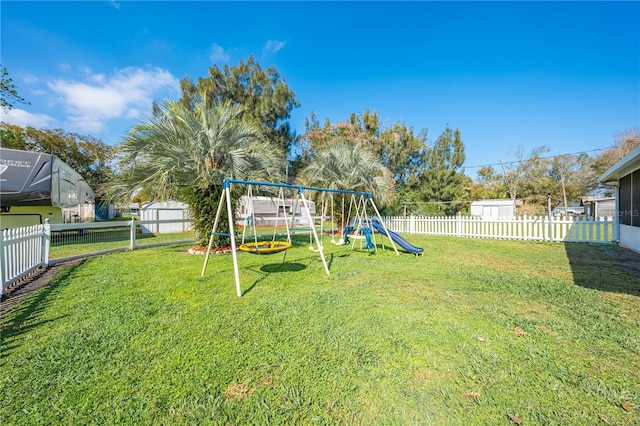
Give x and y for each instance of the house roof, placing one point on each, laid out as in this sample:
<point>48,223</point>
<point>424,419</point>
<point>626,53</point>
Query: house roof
<point>596,199</point>
<point>630,163</point>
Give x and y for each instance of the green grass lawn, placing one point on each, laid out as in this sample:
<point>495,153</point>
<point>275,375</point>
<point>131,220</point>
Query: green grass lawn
<point>473,332</point>
<point>68,244</point>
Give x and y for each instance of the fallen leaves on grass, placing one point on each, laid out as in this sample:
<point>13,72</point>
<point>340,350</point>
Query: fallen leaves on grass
<point>515,419</point>
<point>519,331</point>
<point>625,407</point>
<point>473,395</point>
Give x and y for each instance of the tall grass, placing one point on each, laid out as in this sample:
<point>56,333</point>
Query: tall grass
<point>472,332</point>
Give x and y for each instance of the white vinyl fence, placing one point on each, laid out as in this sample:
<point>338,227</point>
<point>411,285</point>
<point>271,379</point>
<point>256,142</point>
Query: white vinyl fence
<point>540,228</point>
<point>24,250</point>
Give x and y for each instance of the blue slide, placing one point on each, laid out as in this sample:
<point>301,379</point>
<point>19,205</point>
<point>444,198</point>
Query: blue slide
<point>406,245</point>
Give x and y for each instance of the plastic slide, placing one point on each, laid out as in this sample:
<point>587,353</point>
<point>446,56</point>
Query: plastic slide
<point>406,245</point>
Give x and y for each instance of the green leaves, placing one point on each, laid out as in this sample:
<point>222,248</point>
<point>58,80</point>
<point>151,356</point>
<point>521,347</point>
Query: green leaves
<point>8,91</point>
<point>182,151</point>
<point>265,97</point>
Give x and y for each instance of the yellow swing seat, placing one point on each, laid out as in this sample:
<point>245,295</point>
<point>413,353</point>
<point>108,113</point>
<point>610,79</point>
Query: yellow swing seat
<point>267,247</point>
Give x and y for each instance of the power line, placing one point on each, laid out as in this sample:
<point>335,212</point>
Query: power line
<point>532,159</point>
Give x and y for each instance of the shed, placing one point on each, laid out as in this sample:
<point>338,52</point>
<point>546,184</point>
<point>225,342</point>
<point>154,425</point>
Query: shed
<point>596,207</point>
<point>624,176</point>
<point>494,209</point>
<point>272,211</point>
<point>165,210</point>
<point>105,211</point>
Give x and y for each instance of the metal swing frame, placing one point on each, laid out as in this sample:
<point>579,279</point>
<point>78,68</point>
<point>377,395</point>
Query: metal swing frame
<point>226,196</point>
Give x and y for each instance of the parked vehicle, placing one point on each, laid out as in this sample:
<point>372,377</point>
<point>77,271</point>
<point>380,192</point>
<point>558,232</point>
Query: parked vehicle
<point>36,186</point>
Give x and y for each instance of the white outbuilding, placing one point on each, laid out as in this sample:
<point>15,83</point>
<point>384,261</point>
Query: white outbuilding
<point>165,210</point>
<point>494,209</point>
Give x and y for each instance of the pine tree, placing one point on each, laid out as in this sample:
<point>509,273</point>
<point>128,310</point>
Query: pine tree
<point>442,178</point>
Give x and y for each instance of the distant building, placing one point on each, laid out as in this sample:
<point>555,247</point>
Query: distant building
<point>595,207</point>
<point>625,177</point>
<point>165,210</point>
<point>273,211</point>
<point>571,210</point>
<point>494,209</point>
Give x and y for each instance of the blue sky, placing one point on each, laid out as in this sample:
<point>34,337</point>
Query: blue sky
<point>507,74</point>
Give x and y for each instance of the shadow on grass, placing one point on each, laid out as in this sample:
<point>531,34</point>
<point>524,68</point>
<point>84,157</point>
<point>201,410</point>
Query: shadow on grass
<point>604,267</point>
<point>24,317</point>
<point>283,267</point>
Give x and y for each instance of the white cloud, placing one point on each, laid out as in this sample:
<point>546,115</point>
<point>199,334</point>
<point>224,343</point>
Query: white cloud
<point>22,118</point>
<point>274,46</point>
<point>218,54</point>
<point>92,103</point>
<point>29,78</point>
<point>65,67</point>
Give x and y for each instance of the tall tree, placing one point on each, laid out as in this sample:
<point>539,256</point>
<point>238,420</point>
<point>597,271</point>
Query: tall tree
<point>264,96</point>
<point>349,166</point>
<point>8,91</point>
<point>568,178</point>
<point>402,152</point>
<point>490,184</point>
<point>317,137</point>
<point>442,178</point>
<point>624,143</point>
<point>397,147</point>
<point>184,152</point>
<point>87,155</point>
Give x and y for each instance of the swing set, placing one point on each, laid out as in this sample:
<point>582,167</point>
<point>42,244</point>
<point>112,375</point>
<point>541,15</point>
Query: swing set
<point>360,228</point>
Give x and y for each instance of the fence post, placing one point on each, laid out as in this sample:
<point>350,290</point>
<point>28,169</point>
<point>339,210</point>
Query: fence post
<point>132,238</point>
<point>46,242</point>
<point>458,225</point>
<point>412,224</point>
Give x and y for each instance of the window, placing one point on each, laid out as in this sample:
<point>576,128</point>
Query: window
<point>635,198</point>
<point>625,200</point>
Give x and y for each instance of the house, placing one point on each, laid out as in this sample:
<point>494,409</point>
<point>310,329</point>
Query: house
<point>164,210</point>
<point>624,176</point>
<point>595,207</point>
<point>493,209</point>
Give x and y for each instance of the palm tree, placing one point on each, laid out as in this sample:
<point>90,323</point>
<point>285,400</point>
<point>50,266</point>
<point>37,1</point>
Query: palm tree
<point>185,154</point>
<point>349,166</point>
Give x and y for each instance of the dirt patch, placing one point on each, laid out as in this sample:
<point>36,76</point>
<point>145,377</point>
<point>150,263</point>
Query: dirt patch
<point>32,283</point>
<point>238,392</point>
<point>627,258</point>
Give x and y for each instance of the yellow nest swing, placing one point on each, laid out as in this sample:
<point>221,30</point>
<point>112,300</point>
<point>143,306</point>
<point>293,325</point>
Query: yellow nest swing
<point>267,247</point>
